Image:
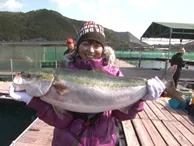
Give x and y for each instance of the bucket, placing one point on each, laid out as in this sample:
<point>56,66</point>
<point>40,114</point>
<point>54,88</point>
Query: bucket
<point>185,105</point>
<point>174,103</point>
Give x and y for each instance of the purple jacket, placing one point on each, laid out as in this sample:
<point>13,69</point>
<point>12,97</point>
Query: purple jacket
<point>101,133</point>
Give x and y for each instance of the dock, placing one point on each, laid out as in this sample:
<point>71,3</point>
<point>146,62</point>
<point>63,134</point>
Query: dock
<point>157,124</point>
<point>4,87</point>
<point>37,134</point>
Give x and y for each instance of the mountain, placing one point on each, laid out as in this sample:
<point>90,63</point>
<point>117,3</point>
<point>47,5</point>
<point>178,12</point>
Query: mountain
<point>51,25</point>
<point>129,38</point>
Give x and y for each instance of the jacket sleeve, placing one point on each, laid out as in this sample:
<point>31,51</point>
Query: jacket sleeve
<point>132,111</point>
<point>182,62</point>
<point>46,113</point>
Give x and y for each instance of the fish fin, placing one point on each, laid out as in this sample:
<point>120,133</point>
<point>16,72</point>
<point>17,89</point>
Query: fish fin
<point>169,84</point>
<point>124,109</point>
<point>173,92</point>
<point>61,89</point>
<point>60,112</point>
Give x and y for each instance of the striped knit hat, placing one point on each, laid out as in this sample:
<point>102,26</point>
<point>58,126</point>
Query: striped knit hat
<point>91,31</point>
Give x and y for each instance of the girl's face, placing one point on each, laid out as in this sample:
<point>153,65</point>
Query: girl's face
<point>90,50</point>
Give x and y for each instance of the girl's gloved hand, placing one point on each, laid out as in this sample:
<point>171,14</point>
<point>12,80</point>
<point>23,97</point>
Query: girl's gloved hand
<point>19,96</point>
<point>155,88</point>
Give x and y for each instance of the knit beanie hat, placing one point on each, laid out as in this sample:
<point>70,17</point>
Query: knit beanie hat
<point>91,31</point>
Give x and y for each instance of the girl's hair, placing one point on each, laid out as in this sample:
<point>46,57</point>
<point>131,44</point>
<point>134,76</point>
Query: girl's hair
<point>108,55</point>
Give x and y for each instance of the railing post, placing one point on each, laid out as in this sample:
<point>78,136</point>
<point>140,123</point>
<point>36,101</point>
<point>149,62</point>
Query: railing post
<point>166,65</point>
<point>56,64</point>
<point>11,63</point>
<point>140,54</point>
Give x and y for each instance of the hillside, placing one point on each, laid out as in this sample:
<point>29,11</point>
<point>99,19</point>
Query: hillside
<point>52,26</point>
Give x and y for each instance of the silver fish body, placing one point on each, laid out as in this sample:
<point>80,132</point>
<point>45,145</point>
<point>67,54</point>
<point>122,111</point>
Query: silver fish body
<point>85,91</point>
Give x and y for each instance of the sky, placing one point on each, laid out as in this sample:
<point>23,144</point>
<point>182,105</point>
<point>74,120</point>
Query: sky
<point>133,16</point>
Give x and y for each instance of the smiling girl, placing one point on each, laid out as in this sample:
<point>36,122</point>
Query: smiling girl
<point>88,129</point>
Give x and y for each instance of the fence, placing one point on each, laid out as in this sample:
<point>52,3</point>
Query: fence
<point>150,54</point>
<point>15,58</point>
<point>19,57</point>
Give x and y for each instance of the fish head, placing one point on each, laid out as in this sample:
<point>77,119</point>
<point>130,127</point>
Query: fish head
<point>24,78</point>
<point>35,82</point>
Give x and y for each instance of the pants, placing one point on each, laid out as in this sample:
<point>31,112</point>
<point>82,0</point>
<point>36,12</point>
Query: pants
<point>176,76</point>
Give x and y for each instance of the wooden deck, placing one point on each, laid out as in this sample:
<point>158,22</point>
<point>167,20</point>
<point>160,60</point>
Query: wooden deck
<point>37,134</point>
<point>157,125</point>
<point>160,125</point>
<point>4,87</point>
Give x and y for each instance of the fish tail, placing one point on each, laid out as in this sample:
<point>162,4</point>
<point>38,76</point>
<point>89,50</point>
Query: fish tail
<point>170,85</point>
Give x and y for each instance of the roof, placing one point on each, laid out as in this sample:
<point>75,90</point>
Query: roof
<point>163,30</point>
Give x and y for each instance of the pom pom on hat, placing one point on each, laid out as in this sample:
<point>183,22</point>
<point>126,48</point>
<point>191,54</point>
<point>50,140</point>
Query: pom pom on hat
<point>91,31</point>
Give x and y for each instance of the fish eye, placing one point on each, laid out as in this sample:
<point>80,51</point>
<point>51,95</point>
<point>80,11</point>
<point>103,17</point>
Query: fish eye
<point>26,75</point>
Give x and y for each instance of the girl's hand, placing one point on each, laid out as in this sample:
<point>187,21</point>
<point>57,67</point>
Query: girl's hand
<point>155,88</point>
<point>19,96</point>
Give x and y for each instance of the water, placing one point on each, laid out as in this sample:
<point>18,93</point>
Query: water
<point>155,64</point>
<point>15,117</point>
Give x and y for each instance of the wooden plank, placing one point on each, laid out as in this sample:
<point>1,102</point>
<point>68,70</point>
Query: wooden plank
<point>139,131</point>
<point>130,136</point>
<point>137,116</point>
<point>179,117</point>
<point>143,115</point>
<point>37,138</point>
<point>171,110</point>
<point>4,87</point>
<point>142,133</point>
<point>29,144</point>
<point>181,112</point>
<point>35,134</point>
<point>176,133</point>
<point>155,136</point>
<point>169,139</point>
<point>157,112</point>
<point>185,116</point>
<point>184,131</point>
<point>169,116</point>
<point>39,124</point>
<point>149,112</point>
<point>188,126</point>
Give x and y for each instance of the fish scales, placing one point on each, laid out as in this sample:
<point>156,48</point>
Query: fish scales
<point>87,91</point>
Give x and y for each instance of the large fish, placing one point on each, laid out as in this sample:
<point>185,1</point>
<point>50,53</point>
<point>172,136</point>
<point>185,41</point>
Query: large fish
<point>87,91</point>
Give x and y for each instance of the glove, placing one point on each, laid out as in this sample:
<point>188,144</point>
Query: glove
<point>155,88</point>
<point>19,96</point>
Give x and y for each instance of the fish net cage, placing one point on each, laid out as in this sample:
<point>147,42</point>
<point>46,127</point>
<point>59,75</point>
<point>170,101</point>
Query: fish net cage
<point>22,57</point>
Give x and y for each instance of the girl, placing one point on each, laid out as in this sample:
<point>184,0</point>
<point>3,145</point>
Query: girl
<point>86,129</point>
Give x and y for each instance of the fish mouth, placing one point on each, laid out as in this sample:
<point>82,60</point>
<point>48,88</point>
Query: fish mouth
<point>36,85</point>
<point>18,79</point>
